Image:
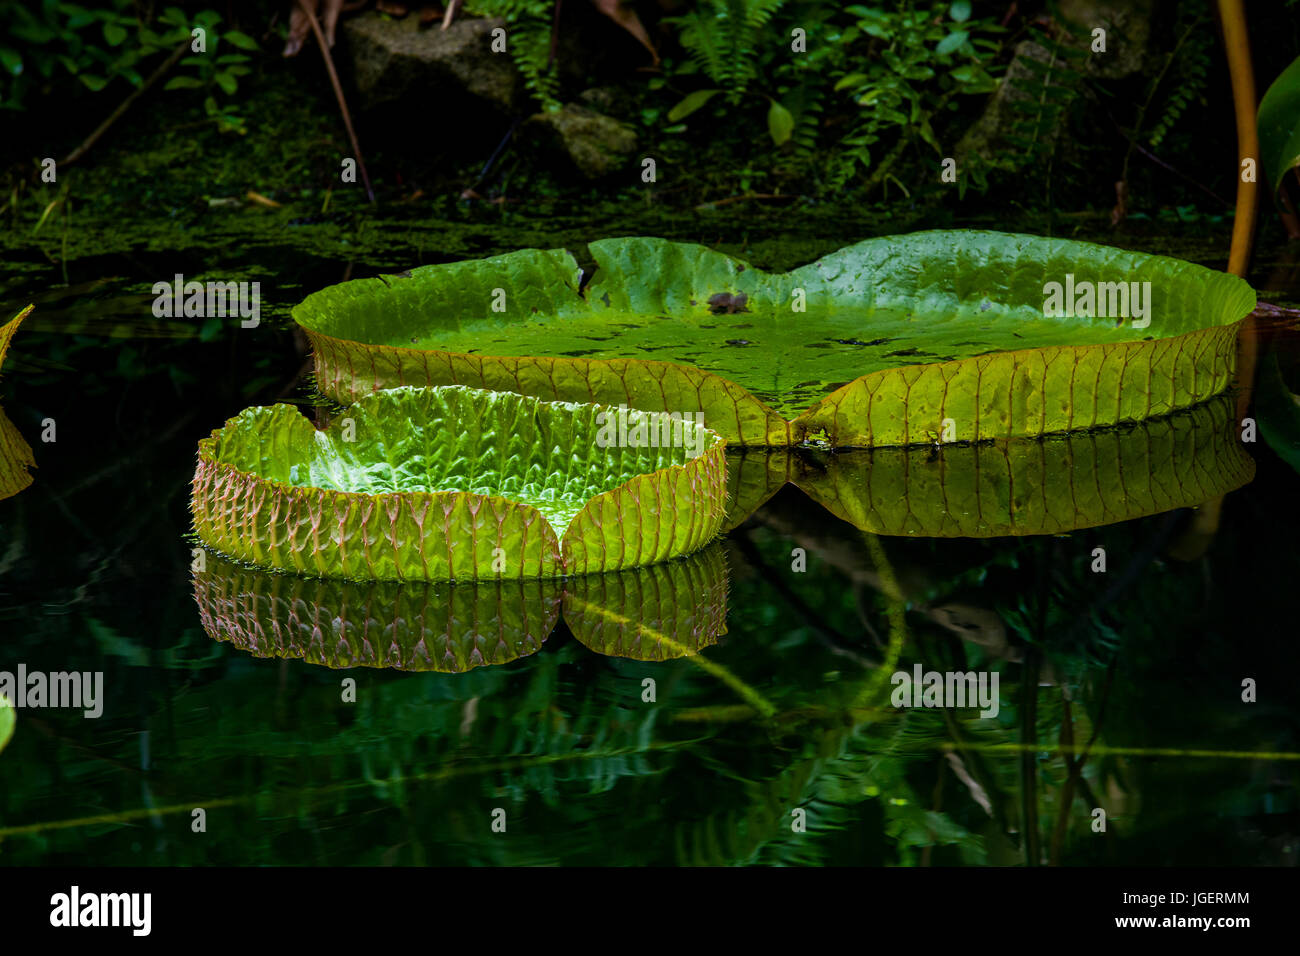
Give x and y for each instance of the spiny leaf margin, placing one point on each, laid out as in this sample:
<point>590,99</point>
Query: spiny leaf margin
<point>250,501</point>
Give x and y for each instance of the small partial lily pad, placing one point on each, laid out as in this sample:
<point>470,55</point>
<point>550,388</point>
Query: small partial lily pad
<point>16,455</point>
<point>457,483</point>
<point>9,328</point>
<point>15,458</point>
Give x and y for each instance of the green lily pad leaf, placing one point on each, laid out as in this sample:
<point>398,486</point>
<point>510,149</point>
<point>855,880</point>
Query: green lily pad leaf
<point>652,613</point>
<point>8,720</point>
<point>1035,486</point>
<point>894,341</point>
<point>453,483</point>
<point>1279,125</point>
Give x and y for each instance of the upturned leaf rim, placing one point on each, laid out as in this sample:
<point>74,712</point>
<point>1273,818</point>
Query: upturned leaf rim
<point>249,514</point>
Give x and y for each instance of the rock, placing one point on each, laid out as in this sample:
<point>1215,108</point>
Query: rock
<point>990,140</point>
<point>591,143</point>
<point>1128,30</point>
<point>602,99</point>
<point>986,141</point>
<point>400,60</point>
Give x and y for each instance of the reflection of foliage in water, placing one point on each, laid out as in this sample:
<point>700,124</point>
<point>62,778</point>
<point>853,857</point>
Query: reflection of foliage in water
<point>589,773</point>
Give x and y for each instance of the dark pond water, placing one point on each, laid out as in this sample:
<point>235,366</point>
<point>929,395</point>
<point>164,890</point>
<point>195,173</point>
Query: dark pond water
<point>679,715</point>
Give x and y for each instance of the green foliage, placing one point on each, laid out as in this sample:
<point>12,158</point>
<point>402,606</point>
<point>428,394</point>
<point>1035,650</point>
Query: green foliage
<point>1279,130</point>
<point>910,61</point>
<point>53,43</point>
<point>729,41</point>
<point>888,73</point>
<point>52,40</point>
<point>528,41</point>
<point>212,70</point>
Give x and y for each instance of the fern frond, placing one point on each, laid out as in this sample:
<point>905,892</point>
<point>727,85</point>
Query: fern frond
<point>528,40</point>
<point>1193,73</point>
<point>722,38</point>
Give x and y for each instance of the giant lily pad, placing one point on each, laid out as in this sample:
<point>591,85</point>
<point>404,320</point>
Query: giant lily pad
<point>901,340</point>
<point>658,612</point>
<point>452,483</point>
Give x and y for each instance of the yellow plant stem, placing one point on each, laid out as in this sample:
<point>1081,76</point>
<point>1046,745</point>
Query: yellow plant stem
<point>1232,15</point>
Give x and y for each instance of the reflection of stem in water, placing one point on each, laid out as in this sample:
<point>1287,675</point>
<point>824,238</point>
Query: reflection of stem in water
<point>896,611</point>
<point>1029,756</point>
<point>1029,707</point>
<point>967,764</point>
<point>755,699</point>
<point>1074,764</point>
